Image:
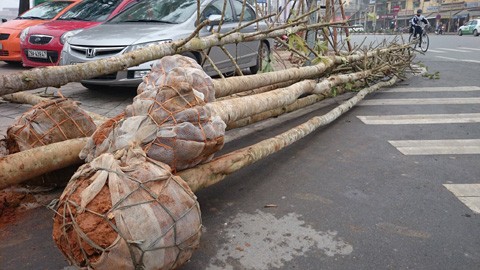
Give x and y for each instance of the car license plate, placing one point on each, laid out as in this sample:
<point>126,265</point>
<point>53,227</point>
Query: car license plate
<point>37,54</point>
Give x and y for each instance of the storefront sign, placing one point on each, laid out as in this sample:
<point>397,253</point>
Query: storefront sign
<point>405,12</point>
<point>387,16</point>
<point>433,8</point>
<point>452,6</point>
<point>472,4</point>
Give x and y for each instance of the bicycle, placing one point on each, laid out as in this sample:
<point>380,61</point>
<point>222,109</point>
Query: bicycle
<point>425,42</point>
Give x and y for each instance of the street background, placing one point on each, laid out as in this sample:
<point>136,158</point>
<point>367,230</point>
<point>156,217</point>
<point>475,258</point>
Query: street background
<point>348,196</point>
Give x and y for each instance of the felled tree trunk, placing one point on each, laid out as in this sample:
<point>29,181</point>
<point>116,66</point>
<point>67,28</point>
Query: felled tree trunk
<point>298,104</point>
<point>42,159</point>
<point>207,174</point>
<point>233,85</point>
<point>21,166</point>
<point>27,98</point>
<point>238,108</point>
<point>61,75</point>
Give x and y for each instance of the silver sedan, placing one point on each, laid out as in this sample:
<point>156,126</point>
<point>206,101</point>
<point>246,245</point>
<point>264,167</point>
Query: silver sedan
<point>156,21</point>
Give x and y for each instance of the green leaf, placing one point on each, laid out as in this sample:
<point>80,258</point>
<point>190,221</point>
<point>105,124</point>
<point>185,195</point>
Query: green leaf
<point>321,47</point>
<point>298,43</point>
<point>333,91</point>
<point>267,65</point>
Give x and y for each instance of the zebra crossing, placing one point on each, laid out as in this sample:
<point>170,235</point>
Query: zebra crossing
<point>464,50</point>
<point>468,194</point>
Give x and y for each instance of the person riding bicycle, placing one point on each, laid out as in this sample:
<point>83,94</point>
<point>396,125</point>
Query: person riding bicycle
<point>417,28</point>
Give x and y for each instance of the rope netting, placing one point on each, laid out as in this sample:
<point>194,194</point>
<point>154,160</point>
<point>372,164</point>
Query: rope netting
<point>126,211</point>
<point>49,122</point>
<point>168,118</point>
<point>175,70</point>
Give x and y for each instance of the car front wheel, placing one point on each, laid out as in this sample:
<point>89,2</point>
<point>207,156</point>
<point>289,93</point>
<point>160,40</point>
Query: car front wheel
<point>459,32</point>
<point>94,87</point>
<point>475,32</point>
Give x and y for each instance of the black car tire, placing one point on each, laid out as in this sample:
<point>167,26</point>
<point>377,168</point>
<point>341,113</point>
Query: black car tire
<point>192,55</point>
<point>460,32</point>
<point>475,32</point>
<point>94,87</point>
<point>13,63</point>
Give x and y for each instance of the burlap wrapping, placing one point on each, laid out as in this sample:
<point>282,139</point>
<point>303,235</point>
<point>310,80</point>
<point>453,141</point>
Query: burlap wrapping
<point>49,122</point>
<point>171,124</point>
<point>175,69</point>
<point>127,212</point>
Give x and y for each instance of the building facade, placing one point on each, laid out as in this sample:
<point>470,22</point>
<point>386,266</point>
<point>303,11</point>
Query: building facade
<point>394,14</point>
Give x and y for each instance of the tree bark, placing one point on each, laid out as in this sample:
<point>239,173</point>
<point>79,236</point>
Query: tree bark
<point>61,75</point>
<point>21,166</point>
<point>207,174</point>
<point>235,109</point>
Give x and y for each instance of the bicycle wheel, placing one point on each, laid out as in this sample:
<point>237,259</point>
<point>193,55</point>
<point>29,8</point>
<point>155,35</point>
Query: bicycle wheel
<point>410,38</point>
<point>425,43</point>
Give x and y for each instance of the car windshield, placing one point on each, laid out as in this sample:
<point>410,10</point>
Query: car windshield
<point>165,11</point>
<point>45,11</point>
<point>91,10</point>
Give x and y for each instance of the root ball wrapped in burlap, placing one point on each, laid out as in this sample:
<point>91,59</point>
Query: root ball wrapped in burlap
<point>127,212</point>
<point>174,70</point>
<point>171,123</point>
<point>49,122</point>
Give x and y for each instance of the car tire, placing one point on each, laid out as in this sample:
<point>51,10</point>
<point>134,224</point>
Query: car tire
<point>191,55</point>
<point>460,32</point>
<point>475,33</point>
<point>13,63</point>
<point>264,49</point>
<point>94,87</point>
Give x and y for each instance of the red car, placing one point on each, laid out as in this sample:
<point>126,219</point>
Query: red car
<point>41,45</point>
<point>10,31</point>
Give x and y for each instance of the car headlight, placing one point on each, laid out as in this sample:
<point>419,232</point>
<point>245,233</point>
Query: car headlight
<point>143,45</point>
<point>24,34</point>
<point>68,35</point>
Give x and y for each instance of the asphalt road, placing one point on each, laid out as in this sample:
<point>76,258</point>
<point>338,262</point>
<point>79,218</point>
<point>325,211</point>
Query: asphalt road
<point>357,194</point>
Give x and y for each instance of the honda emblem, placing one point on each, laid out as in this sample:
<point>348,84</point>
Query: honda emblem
<point>90,52</point>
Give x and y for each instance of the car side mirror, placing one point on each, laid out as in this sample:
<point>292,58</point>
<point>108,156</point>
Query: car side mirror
<point>214,20</point>
<point>4,20</point>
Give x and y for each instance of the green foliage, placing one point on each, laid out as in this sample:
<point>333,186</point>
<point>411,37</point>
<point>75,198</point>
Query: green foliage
<point>321,47</point>
<point>434,76</point>
<point>267,65</point>
<point>349,86</point>
<point>298,43</point>
<point>333,91</point>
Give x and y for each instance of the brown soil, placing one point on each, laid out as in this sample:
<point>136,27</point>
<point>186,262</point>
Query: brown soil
<point>11,205</point>
<point>97,229</point>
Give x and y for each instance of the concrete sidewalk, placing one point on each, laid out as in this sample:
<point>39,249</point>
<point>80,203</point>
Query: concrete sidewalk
<point>109,102</point>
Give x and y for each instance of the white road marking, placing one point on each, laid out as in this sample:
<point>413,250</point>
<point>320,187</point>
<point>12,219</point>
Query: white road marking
<point>419,101</point>
<point>437,147</point>
<point>469,194</point>
<point>467,48</point>
<point>435,51</point>
<point>410,119</point>
<point>448,58</point>
<point>471,61</point>
<point>453,50</point>
<point>459,60</point>
<point>433,89</point>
